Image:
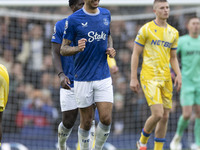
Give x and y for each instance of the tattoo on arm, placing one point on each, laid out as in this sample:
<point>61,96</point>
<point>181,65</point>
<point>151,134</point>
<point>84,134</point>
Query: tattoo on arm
<point>110,42</point>
<point>66,49</point>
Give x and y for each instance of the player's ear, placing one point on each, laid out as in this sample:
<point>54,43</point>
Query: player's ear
<point>72,7</point>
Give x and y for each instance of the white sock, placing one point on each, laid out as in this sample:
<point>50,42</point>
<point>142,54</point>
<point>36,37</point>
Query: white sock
<point>102,134</point>
<point>92,134</point>
<point>63,134</point>
<point>84,139</point>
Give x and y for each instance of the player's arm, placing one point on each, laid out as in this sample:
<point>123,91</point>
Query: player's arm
<point>64,80</point>
<point>67,50</point>
<point>56,57</point>
<point>134,83</point>
<point>68,37</point>
<point>110,50</point>
<point>111,61</point>
<point>175,66</point>
<point>112,65</point>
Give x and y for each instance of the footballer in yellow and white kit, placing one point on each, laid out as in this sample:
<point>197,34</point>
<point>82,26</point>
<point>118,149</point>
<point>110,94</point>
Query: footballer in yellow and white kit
<point>4,90</point>
<point>155,74</point>
<point>4,87</point>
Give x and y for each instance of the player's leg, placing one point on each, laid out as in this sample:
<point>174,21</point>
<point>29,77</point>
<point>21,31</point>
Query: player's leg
<point>84,97</point>
<point>92,130</point>
<point>92,133</point>
<point>197,125</point>
<point>184,120</point>
<point>69,114</point>
<point>161,127</point>
<point>152,93</point>
<point>160,131</point>
<point>104,125</point>
<point>150,124</point>
<point>86,117</point>
<point>197,113</point>
<point>4,91</point>
<point>187,101</point>
<point>1,114</point>
<point>181,126</point>
<point>103,97</point>
<point>65,127</point>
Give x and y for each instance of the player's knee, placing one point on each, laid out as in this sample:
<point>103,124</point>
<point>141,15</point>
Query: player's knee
<point>158,116</point>
<point>186,116</point>
<point>197,115</point>
<point>69,118</point>
<point>68,124</point>
<point>165,118</point>
<point>106,120</point>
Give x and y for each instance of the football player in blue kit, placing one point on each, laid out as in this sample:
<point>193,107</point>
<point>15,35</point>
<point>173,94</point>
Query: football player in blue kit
<point>64,66</point>
<point>89,31</point>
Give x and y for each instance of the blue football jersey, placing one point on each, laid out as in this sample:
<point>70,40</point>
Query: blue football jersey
<point>91,64</point>
<point>66,61</point>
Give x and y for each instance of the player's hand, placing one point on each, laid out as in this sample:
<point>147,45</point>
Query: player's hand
<point>134,85</point>
<point>114,70</point>
<point>178,82</point>
<point>64,81</point>
<point>82,44</point>
<point>111,52</point>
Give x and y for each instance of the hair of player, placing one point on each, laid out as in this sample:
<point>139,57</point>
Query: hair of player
<point>188,18</point>
<point>157,1</point>
<point>72,2</point>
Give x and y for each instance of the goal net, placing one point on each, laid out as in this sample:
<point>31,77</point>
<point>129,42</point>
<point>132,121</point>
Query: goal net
<point>33,111</point>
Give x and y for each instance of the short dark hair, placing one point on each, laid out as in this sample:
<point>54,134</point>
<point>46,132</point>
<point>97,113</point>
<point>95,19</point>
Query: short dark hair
<point>72,2</point>
<point>156,1</point>
<point>190,17</point>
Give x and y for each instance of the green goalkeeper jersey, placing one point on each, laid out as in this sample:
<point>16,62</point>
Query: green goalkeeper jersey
<point>190,57</point>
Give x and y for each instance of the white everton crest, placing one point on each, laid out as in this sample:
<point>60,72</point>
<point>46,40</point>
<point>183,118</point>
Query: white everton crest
<point>105,21</point>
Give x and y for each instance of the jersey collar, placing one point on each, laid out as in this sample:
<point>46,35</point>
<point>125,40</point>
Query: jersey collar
<point>91,14</point>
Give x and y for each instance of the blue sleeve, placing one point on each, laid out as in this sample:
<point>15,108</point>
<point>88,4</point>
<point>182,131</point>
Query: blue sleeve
<point>58,33</point>
<point>69,32</point>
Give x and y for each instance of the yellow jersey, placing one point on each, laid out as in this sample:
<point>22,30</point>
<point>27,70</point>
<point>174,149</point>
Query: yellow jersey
<point>4,87</point>
<point>157,42</point>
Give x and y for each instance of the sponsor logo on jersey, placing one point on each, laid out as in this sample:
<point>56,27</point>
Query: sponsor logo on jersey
<point>95,36</point>
<point>84,24</point>
<point>161,43</point>
<point>193,52</point>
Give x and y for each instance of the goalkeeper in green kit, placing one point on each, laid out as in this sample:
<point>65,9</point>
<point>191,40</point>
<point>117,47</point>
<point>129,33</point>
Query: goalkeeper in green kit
<point>189,48</point>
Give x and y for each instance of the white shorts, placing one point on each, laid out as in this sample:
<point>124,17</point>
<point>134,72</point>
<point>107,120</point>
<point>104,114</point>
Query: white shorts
<point>89,92</point>
<point>67,99</point>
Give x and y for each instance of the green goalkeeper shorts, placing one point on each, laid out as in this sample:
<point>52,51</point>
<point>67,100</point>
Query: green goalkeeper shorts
<point>190,93</point>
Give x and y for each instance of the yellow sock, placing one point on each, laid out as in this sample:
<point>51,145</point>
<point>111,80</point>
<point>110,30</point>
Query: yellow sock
<point>158,143</point>
<point>78,146</point>
<point>144,137</point>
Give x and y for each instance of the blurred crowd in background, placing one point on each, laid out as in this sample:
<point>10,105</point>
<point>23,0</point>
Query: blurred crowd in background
<point>33,105</point>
